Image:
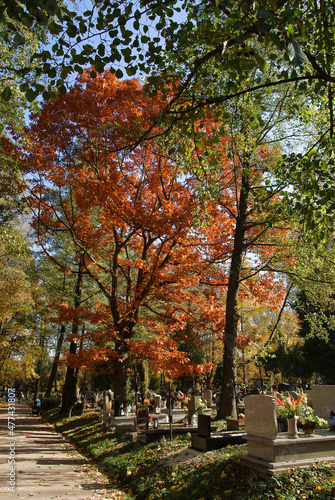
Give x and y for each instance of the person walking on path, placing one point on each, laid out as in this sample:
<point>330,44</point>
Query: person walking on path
<point>36,462</point>
<point>36,406</point>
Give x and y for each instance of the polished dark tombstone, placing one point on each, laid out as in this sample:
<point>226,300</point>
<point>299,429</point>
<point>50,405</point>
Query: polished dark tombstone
<point>204,426</point>
<point>142,416</point>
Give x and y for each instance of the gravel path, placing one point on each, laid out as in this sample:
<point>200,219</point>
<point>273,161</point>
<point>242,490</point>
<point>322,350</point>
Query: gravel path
<point>36,462</point>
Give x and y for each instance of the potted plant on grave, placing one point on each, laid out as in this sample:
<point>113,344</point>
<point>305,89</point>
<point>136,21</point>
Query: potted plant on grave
<point>309,421</point>
<point>291,409</point>
<point>183,399</point>
<point>186,399</point>
<point>201,406</point>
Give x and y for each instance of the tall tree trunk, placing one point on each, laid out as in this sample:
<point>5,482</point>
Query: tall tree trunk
<point>121,365</point>
<point>81,343</point>
<point>227,405</point>
<point>120,379</point>
<point>39,367</point>
<point>70,385</point>
<point>53,374</point>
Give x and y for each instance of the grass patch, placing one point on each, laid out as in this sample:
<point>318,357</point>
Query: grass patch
<point>172,470</point>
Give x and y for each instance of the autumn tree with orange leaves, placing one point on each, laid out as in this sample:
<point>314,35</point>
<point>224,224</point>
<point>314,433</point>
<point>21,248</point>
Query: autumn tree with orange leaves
<point>130,214</point>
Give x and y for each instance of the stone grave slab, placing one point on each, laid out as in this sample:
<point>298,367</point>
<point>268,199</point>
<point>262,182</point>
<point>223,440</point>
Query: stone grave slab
<point>124,427</point>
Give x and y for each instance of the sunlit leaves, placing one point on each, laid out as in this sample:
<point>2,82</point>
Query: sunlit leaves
<point>139,34</point>
<point>261,62</point>
<point>296,54</point>
<point>16,294</point>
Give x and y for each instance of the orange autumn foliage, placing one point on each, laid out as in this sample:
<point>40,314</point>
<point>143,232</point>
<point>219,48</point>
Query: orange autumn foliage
<point>131,212</point>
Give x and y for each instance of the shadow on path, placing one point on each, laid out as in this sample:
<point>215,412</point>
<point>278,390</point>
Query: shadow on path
<point>41,465</point>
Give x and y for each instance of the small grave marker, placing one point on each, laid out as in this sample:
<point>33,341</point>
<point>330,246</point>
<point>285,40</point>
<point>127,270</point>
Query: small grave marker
<point>204,425</point>
<point>158,402</point>
<point>192,407</point>
<point>208,396</point>
<point>142,416</point>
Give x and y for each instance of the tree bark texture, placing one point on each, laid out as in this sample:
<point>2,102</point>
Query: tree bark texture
<point>53,374</point>
<point>120,371</point>
<point>70,386</point>
<point>39,367</point>
<point>227,406</point>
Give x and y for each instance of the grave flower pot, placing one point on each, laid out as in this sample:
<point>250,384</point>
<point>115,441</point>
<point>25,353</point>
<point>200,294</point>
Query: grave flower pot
<point>309,430</point>
<point>309,421</point>
<point>194,420</point>
<point>292,427</point>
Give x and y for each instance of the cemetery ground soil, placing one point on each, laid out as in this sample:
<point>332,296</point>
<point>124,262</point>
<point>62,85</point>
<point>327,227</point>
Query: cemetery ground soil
<point>105,464</point>
<point>173,470</point>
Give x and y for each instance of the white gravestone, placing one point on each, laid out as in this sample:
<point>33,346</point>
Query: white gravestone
<point>105,408</point>
<point>208,395</point>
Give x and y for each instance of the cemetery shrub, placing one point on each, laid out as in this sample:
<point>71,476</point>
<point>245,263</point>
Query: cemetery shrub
<point>51,402</point>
